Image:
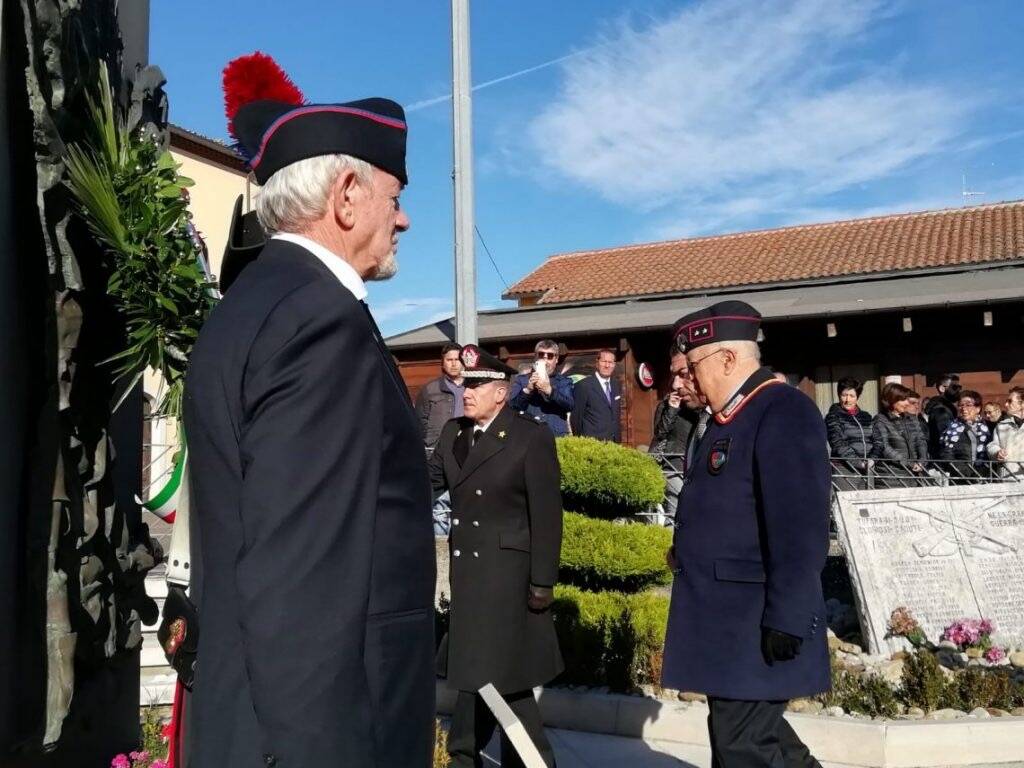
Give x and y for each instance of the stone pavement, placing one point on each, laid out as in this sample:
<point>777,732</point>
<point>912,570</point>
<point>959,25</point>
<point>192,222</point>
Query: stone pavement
<point>575,749</point>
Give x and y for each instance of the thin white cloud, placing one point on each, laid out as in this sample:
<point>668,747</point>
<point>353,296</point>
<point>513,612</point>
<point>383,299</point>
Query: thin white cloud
<point>418,306</point>
<point>729,110</point>
<point>418,105</point>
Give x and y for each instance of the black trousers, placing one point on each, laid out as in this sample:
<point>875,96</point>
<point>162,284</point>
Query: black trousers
<point>473,726</point>
<point>753,734</point>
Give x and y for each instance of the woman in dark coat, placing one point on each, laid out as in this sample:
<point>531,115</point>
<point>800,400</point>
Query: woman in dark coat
<point>897,438</point>
<point>964,443</point>
<point>849,434</point>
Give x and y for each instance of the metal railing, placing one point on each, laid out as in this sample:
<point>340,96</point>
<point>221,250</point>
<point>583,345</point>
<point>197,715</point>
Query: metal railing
<point>861,474</point>
<point>886,473</point>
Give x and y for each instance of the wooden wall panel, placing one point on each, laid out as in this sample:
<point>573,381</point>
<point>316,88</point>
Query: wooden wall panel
<point>417,373</point>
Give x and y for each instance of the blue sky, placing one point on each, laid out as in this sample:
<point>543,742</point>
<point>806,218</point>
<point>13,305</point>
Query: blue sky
<point>667,119</point>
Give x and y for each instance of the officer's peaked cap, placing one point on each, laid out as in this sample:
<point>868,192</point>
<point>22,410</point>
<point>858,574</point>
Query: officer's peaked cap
<point>479,364</point>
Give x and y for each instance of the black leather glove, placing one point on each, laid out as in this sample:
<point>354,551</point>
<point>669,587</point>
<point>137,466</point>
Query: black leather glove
<point>779,646</point>
<point>540,598</point>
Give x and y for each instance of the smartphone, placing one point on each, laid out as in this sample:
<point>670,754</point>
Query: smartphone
<point>541,369</point>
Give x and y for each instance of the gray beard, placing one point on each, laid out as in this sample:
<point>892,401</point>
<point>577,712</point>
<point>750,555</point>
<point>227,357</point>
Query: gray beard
<point>387,269</point>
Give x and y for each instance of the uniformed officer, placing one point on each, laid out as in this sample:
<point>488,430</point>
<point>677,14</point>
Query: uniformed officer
<point>746,624</point>
<point>506,535</point>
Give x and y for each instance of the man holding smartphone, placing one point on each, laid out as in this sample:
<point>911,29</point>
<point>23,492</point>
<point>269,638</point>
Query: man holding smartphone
<point>544,394</point>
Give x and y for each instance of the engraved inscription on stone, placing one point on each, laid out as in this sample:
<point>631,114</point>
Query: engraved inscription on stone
<point>945,553</point>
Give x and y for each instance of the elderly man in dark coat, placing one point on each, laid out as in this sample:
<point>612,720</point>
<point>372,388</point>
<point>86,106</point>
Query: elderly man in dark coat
<point>747,618</point>
<point>506,536</point>
<point>315,574</point>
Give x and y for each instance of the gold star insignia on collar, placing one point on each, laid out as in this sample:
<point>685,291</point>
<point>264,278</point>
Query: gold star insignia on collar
<point>502,434</point>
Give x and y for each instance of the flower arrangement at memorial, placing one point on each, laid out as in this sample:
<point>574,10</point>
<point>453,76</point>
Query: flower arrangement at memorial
<point>903,624</point>
<point>971,636</point>
<point>970,633</point>
<point>130,195</point>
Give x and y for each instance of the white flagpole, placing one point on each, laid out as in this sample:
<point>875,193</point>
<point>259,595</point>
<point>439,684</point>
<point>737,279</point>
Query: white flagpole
<point>462,117</point>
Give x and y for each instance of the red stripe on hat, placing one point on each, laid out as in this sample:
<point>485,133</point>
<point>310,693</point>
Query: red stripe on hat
<point>388,121</point>
<point>718,317</point>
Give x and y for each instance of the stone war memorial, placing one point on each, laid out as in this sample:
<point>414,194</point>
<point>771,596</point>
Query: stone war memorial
<point>945,553</point>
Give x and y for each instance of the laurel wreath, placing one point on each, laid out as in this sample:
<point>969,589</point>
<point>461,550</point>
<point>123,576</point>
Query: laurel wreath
<point>127,189</point>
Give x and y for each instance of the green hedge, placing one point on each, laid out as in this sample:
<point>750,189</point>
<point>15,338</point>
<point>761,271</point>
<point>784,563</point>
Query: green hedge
<point>603,479</point>
<point>598,554</point>
<point>609,638</point>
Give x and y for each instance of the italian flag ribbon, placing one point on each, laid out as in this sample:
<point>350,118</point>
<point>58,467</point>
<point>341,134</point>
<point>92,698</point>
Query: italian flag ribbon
<point>165,503</point>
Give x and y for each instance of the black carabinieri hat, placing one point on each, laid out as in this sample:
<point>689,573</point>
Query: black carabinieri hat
<point>274,126</point>
<point>724,321</point>
<point>246,239</point>
<point>480,366</point>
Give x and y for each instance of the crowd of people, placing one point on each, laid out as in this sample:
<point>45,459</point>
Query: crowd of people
<point>588,406</point>
<point>956,433</point>
<point>953,434</point>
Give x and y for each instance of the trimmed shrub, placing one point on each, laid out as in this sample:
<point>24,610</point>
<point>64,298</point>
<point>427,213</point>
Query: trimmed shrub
<point>923,683</point>
<point>648,614</point>
<point>609,638</point>
<point>976,687</point>
<point>598,554</point>
<point>602,479</point>
<point>867,694</point>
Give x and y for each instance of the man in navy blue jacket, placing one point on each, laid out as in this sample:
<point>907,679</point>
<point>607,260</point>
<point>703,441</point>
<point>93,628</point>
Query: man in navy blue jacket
<point>747,619</point>
<point>597,401</point>
<point>315,570</point>
<point>546,397</point>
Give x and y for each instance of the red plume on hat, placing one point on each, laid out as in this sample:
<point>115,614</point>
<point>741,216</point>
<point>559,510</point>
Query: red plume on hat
<point>255,77</point>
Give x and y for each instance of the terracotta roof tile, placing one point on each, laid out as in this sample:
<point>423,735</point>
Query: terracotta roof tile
<point>911,241</point>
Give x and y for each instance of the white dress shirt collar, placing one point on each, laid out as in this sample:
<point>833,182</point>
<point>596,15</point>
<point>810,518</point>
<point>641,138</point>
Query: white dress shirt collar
<point>483,427</point>
<point>340,268</point>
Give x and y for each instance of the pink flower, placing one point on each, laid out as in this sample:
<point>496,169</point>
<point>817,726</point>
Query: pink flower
<point>158,763</point>
<point>986,626</point>
<point>963,633</point>
<point>121,761</point>
<point>139,757</point>
<point>995,654</point>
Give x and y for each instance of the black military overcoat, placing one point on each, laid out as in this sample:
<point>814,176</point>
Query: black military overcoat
<point>315,570</point>
<point>506,533</point>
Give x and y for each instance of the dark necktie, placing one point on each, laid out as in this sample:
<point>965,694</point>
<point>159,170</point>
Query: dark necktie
<point>702,424</point>
<point>476,436</point>
<point>698,432</point>
<point>608,390</point>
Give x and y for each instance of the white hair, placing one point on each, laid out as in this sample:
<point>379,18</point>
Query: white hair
<point>742,349</point>
<point>298,193</point>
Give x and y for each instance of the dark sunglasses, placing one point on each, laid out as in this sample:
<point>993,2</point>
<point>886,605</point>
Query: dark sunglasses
<point>547,355</point>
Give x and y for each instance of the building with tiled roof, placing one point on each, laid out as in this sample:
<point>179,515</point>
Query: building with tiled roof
<point>901,297</point>
<point>906,243</point>
<point>220,176</point>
